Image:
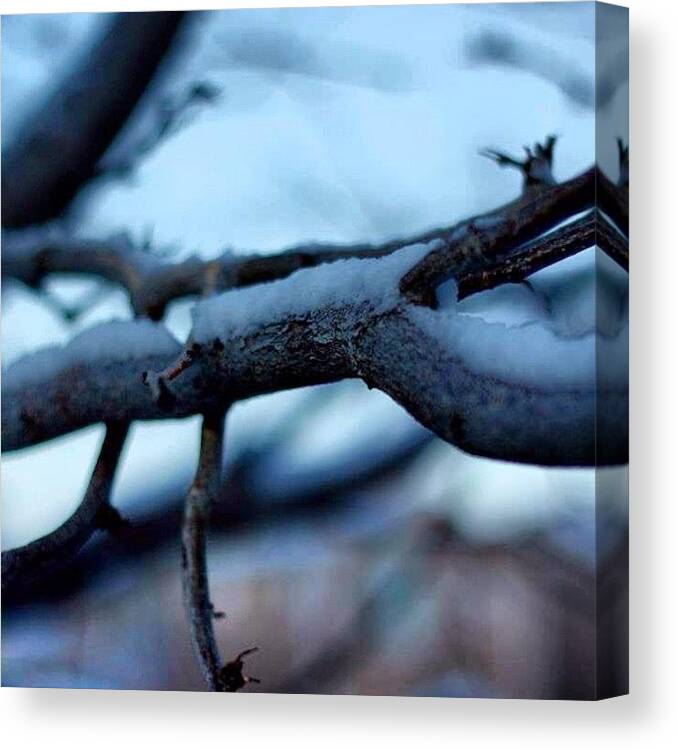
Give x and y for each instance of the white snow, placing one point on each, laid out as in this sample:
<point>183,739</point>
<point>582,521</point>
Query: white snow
<point>113,341</point>
<point>568,328</point>
<point>372,281</point>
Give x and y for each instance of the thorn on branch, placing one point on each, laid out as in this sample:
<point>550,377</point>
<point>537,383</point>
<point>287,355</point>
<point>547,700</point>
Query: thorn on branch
<point>160,392</point>
<point>536,168</point>
<point>157,381</point>
<point>231,676</point>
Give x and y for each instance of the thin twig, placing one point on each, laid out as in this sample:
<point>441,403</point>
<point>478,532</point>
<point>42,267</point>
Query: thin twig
<point>43,556</point>
<point>199,608</point>
<point>153,282</point>
<point>532,257</point>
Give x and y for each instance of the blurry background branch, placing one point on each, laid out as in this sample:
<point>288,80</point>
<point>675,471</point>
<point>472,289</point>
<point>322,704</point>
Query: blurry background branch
<point>58,150</point>
<point>503,49</point>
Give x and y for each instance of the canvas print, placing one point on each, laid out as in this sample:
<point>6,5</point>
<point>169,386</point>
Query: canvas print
<point>315,350</point>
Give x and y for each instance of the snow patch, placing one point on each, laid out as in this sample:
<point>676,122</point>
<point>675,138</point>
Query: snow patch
<point>114,341</point>
<point>372,281</point>
<point>532,354</point>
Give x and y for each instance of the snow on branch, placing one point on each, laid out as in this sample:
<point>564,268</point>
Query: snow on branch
<point>520,394</point>
<point>531,392</point>
<point>153,282</point>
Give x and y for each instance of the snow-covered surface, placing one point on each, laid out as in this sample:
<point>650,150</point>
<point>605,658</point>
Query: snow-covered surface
<point>372,282</point>
<point>342,125</point>
<point>113,341</point>
<point>553,331</point>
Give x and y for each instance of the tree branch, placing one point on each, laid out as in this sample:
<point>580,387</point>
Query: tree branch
<point>40,557</point>
<point>245,343</point>
<point>60,147</point>
<point>469,246</point>
<point>563,242</point>
<point>491,238</point>
<point>153,283</point>
<point>408,351</point>
<point>199,608</point>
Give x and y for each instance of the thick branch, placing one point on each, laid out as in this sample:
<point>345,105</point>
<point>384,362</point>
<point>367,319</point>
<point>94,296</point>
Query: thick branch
<point>44,555</point>
<point>408,351</point>
<point>58,150</point>
<point>203,491</point>
<point>247,343</point>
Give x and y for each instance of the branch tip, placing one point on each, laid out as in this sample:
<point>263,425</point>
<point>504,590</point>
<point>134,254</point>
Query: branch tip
<point>536,168</point>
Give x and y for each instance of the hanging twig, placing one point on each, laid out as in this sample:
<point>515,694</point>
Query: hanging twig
<point>54,550</point>
<point>199,608</point>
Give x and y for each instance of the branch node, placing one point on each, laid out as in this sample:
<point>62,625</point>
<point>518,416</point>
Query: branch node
<point>157,381</point>
<point>160,391</point>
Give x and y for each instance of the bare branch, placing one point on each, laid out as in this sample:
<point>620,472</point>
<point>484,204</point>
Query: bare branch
<point>47,554</point>
<point>489,239</point>
<point>544,251</point>
<point>153,283</point>
<point>536,167</point>
<point>60,147</point>
<point>199,608</point>
<point>172,113</point>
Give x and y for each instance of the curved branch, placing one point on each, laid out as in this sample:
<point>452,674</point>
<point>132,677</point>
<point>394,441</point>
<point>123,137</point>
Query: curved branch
<point>325,324</point>
<point>201,613</point>
<point>365,317</point>
<point>52,551</point>
<point>60,147</point>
